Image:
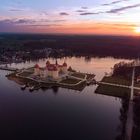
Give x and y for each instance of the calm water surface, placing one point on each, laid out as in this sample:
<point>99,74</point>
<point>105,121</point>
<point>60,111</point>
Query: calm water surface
<point>60,114</point>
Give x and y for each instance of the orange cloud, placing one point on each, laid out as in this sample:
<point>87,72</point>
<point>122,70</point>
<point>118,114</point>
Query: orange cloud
<point>90,28</point>
<point>76,27</point>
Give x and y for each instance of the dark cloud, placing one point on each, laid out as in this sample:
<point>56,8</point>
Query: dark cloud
<point>114,11</point>
<point>117,10</point>
<point>51,21</point>
<point>58,20</point>
<point>90,13</point>
<point>84,7</point>
<point>28,22</point>
<point>43,25</point>
<point>21,21</point>
<point>24,21</point>
<point>10,25</point>
<point>114,2</point>
<point>64,14</point>
<point>17,21</point>
<point>16,10</point>
<point>80,11</point>
<point>6,21</point>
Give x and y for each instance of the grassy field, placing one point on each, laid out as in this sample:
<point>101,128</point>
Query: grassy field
<point>78,87</point>
<point>78,75</point>
<point>25,74</point>
<point>31,69</point>
<point>23,81</point>
<point>117,80</point>
<point>113,91</point>
<point>90,76</point>
<point>19,80</point>
<point>137,85</point>
<point>70,81</point>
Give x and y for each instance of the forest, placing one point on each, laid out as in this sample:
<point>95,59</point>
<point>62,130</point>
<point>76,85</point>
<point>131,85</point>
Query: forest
<point>91,45</point>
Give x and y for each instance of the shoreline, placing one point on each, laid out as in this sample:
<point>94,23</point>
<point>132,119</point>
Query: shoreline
<point>71,82</point>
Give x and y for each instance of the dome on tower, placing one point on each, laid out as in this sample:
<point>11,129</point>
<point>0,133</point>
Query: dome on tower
<point>65,64</point>
<point>48,62</point>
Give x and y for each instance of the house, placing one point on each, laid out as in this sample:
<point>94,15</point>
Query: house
<point>138,79</point>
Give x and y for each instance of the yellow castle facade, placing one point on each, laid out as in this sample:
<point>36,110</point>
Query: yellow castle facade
<point>51,70</point>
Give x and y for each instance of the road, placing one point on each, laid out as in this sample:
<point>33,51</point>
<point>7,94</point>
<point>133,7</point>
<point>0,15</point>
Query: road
<point>130,122</point>
<point>111,84</point>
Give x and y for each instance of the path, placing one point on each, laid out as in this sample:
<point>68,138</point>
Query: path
<point>129,122</point>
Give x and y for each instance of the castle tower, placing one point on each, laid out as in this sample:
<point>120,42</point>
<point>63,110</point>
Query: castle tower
<point>56,63</point>
<point>55,73</point>
<point>48,63</point>
<point>65,67</point>
<point>36,70</point>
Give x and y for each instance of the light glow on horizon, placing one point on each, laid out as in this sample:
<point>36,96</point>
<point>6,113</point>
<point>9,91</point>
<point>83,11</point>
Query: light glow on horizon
<point>137,30</point>
<point>71,17</point>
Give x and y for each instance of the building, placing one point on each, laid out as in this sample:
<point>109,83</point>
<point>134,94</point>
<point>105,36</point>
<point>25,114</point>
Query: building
<point>138,79</point>
<point>36,70</point>
<point>54,71</point>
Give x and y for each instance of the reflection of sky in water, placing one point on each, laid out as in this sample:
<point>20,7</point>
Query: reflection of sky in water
<point>98,66</point>
<point>61,112</point>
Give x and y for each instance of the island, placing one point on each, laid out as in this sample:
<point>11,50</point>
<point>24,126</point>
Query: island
<point>51,75</point>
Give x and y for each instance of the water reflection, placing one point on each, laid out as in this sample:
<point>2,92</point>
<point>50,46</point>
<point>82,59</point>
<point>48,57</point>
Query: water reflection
<point>55,89</point>
<point>88,59</point>
<point>94,65</point>
<point>71,115</point>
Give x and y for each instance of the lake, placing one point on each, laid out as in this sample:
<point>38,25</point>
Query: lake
<point>60,114</point>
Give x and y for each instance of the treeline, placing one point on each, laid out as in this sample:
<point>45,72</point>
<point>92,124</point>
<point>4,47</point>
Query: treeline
<point>116,46</point>
<point>124,69</point>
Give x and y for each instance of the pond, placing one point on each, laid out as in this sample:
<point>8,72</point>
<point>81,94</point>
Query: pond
<point>59,113</point>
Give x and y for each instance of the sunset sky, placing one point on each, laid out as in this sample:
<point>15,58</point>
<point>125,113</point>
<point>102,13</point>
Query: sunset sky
<point>121,17</point>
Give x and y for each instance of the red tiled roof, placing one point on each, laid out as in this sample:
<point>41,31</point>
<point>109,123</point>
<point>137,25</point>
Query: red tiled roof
<point>60,65</point>
<point>52,67</point>
<point>36,66</point>
<point>138,77</point>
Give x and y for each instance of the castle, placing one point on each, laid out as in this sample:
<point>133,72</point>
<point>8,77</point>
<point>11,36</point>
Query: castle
<point>54,71</point>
